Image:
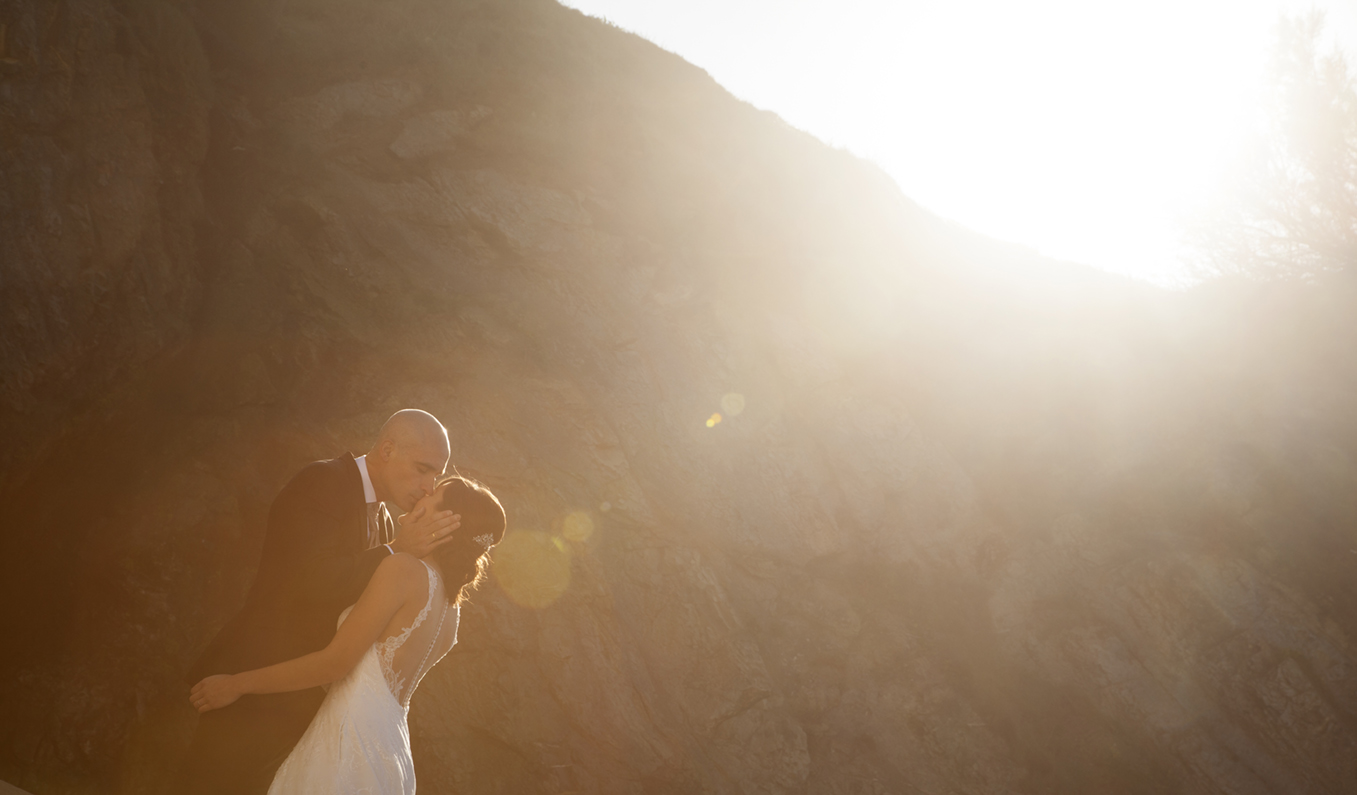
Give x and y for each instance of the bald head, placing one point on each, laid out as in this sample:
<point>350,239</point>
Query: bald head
<point>412,426</point>
<point>409,456</point>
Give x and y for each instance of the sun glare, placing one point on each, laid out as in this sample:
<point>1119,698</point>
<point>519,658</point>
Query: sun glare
<point>1087,131</point>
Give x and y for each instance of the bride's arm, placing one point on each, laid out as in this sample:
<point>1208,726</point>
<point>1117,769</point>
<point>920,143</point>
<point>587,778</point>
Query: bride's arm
<point>395,582</point>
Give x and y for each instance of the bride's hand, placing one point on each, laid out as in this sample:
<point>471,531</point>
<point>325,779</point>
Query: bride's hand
<point>425,528</point>
<point>214,692</point>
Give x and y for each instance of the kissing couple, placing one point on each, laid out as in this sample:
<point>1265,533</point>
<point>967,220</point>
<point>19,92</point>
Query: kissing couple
<point>289,704</point>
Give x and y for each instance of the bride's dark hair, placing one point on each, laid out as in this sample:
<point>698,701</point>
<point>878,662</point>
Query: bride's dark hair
<point>463,560</point>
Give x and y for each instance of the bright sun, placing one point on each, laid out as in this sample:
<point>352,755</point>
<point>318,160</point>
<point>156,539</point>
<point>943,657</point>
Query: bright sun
<point>1087,131</point>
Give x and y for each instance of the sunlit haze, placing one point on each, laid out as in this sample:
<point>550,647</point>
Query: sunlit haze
<point>1087,131</point>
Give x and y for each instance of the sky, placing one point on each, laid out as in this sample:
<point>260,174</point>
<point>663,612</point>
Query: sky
<point>1088,131</point>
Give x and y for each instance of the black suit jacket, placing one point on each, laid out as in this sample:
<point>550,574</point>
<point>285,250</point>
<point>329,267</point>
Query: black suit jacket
<point>315,563</point>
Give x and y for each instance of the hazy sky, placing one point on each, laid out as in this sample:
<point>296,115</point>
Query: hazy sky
<point>1083,129</point>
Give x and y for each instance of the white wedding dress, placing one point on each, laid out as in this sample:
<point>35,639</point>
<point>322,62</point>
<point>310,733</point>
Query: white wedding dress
<point>359,741</point>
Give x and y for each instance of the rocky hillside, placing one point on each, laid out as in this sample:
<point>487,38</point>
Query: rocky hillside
<point>809,491</point>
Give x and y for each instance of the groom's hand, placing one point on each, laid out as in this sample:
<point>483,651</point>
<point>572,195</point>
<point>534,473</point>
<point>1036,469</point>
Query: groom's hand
<point>422,531</point>
<point>214,692</point>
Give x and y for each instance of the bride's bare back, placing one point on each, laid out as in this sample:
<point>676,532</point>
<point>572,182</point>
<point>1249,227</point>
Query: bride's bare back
<point>420,633</point>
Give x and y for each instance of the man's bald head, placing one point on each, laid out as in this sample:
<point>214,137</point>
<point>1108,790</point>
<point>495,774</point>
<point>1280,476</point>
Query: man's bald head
<point>412,426</point>
<point>409,456</point>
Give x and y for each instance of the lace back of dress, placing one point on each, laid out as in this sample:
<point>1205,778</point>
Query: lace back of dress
<point>404,663</point>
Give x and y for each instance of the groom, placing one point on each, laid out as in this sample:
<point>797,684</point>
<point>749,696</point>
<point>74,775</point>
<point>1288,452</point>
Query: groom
<point>327,531</point>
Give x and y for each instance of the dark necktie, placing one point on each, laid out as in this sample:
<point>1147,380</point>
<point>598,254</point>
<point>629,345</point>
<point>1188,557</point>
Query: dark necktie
<point>374,524</point>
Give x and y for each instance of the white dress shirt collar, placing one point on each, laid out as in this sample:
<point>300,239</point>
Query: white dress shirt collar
<point>369,494</point>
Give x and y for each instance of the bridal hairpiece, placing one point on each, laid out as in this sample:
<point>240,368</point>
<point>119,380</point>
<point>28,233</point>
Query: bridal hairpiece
<point>485,539</point>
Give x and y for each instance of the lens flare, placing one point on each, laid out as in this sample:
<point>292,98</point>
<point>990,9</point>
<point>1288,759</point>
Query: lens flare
<point>532,568</point>
<point>732,404</point>
<point>577,527</point>
<point>713,420</point>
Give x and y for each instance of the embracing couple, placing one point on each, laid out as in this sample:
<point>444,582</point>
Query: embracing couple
<point>289,703</point>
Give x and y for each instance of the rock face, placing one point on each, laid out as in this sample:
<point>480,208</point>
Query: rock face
<point>104,117</point>
<point>809,491</point>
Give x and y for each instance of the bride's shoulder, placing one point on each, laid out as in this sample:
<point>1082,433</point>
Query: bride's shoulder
<point>400,566</point>
<point>398,576</point>
<point>400,563</point>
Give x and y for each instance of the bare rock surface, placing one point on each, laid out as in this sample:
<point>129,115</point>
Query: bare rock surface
<point>809,491</point>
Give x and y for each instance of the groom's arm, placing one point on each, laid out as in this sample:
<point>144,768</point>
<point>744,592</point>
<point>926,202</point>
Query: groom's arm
<point>325,568</point>
<point>330,574</point>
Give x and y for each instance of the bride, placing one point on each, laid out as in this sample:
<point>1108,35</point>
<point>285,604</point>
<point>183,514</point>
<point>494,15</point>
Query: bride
<point>403,623</point>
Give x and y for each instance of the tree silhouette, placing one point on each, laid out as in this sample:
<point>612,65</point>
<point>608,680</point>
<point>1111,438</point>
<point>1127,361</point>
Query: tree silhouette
<point>1294,213</point>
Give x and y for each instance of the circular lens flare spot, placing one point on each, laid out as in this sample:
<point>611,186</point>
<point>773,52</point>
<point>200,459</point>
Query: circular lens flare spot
<point>732,404</point>
<point>713,420</point>
<point>577,526</point>
<point>532,568</point>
